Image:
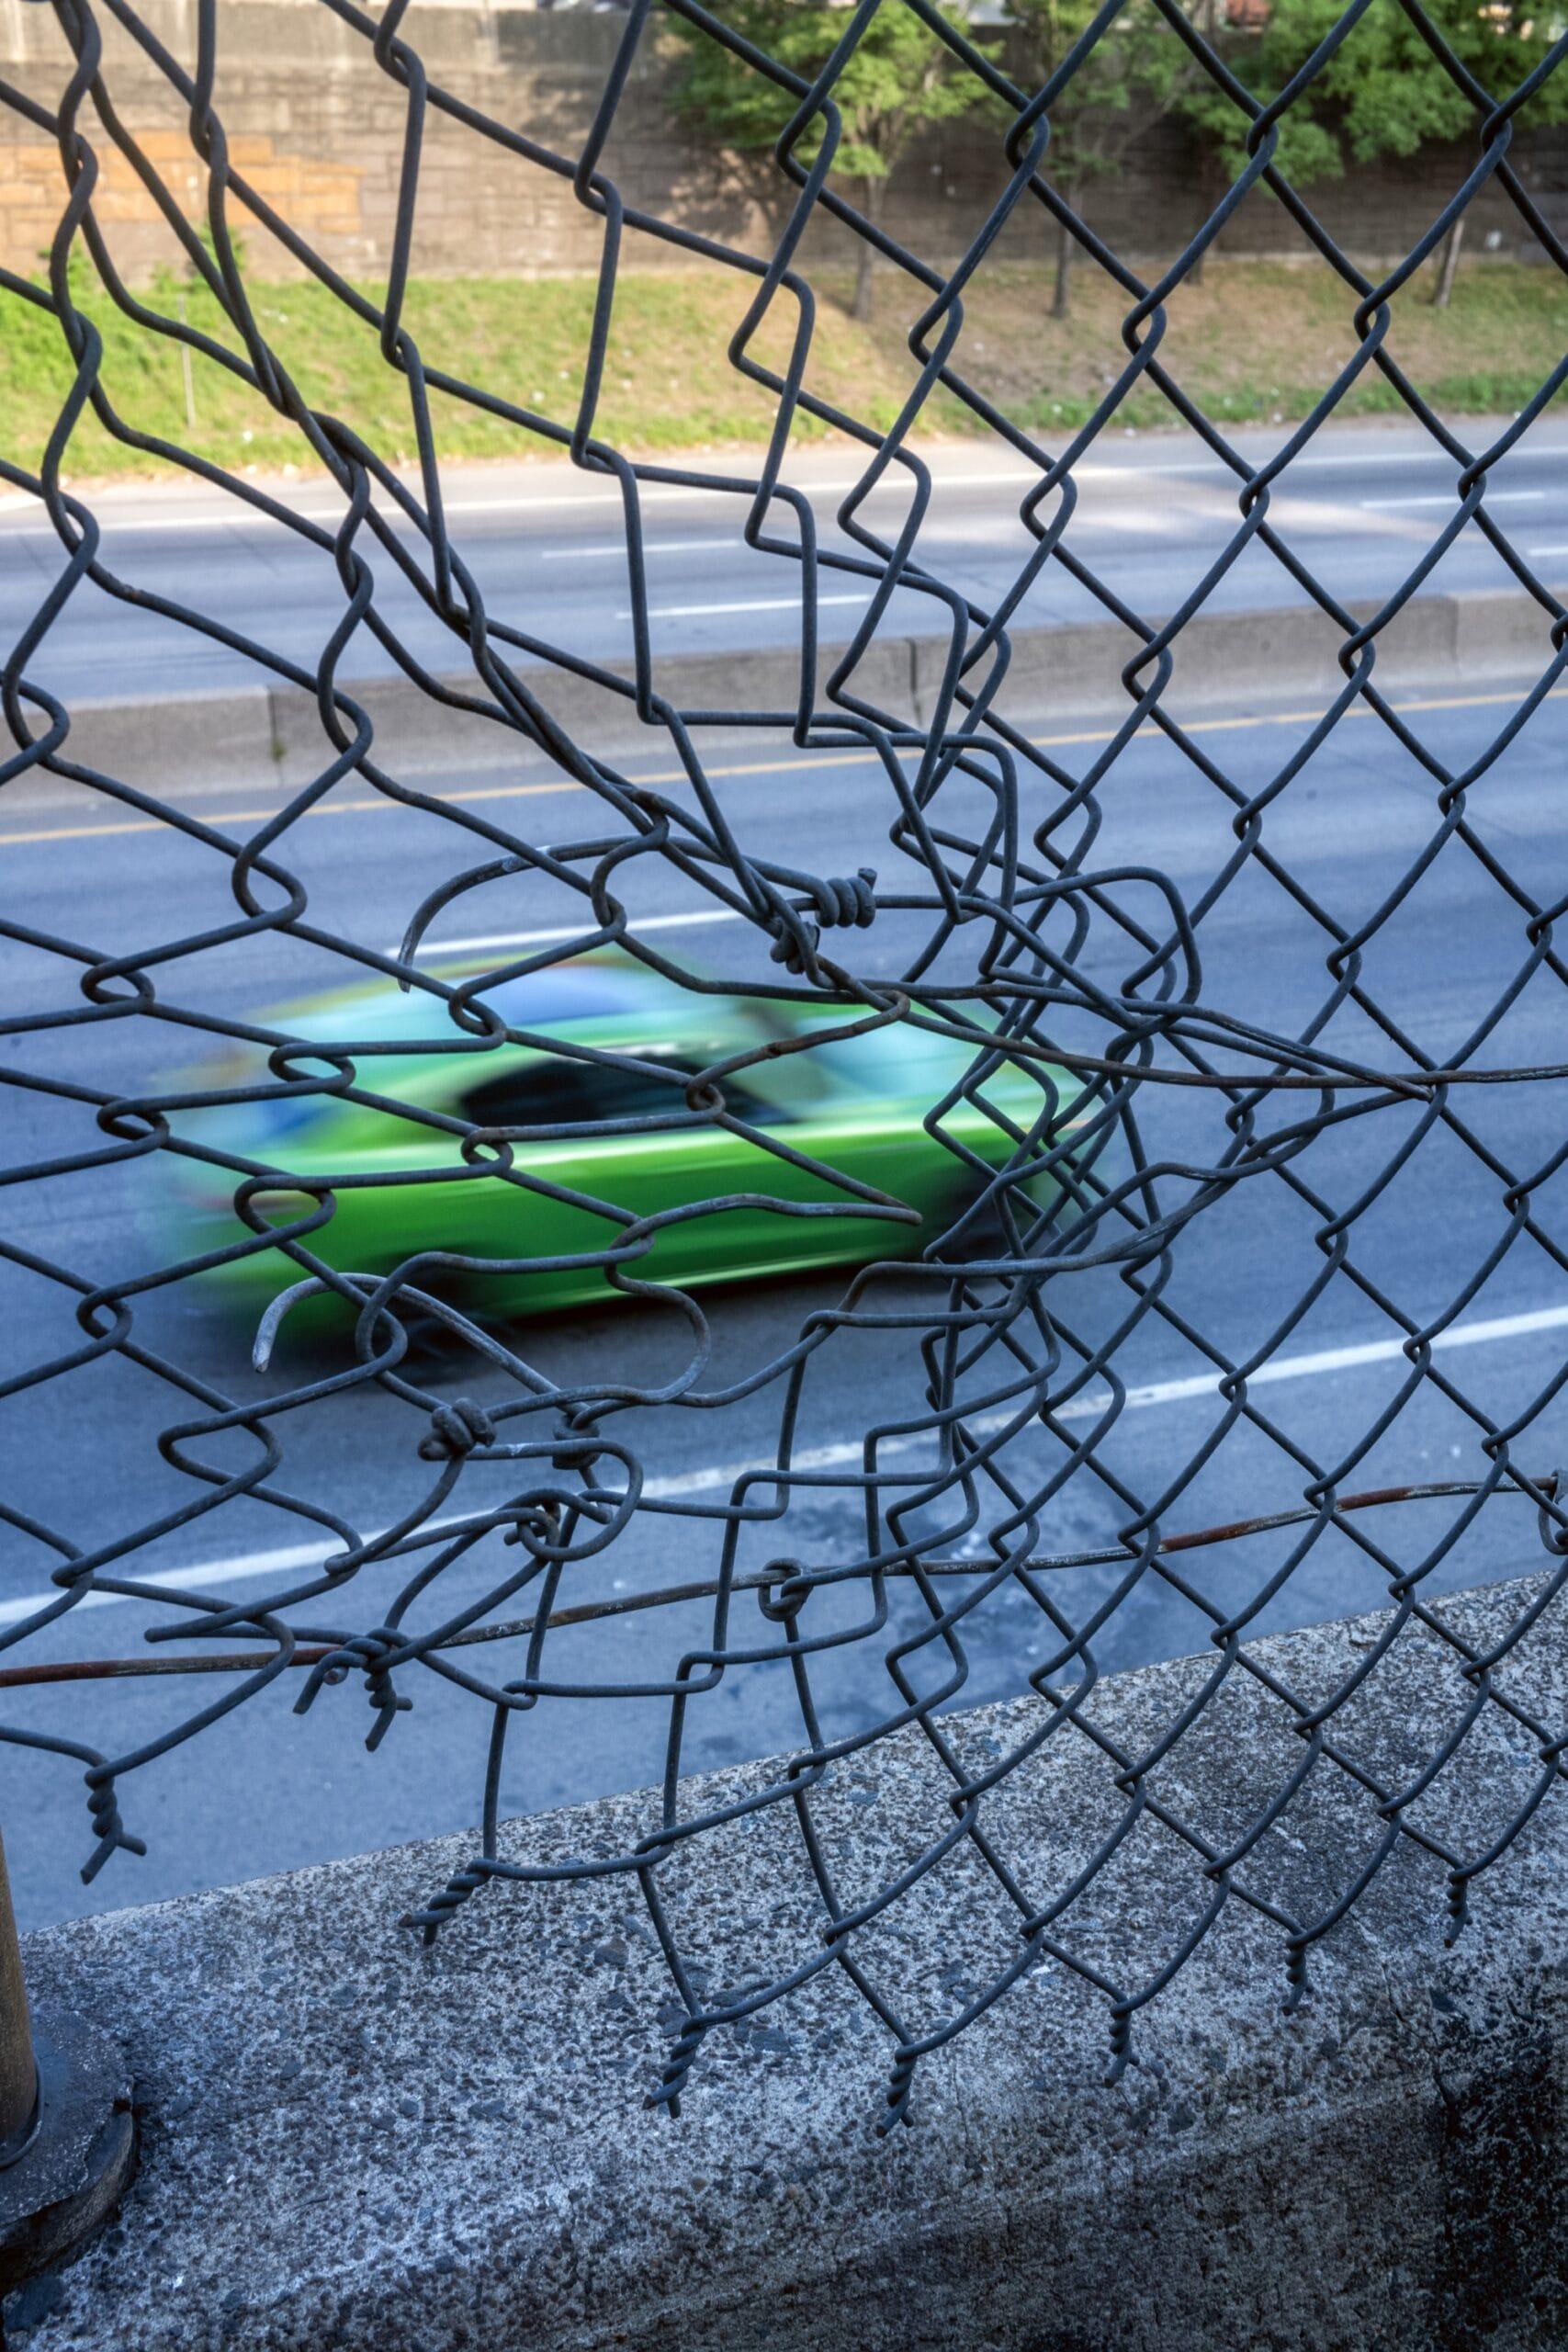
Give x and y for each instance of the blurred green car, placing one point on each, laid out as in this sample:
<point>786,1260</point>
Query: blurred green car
<point>857,1103</point>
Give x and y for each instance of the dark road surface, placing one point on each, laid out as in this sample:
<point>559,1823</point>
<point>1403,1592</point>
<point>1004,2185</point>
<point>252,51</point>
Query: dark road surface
<point>265,1791</point>
<point>547,552</point>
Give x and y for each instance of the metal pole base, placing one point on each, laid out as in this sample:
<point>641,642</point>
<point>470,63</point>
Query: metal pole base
<point>64,2174</point>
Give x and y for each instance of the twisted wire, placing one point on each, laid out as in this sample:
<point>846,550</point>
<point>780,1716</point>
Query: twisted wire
<point>1005,908</point>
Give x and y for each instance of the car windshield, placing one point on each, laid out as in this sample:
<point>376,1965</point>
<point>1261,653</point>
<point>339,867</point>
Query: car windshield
<point>553,1090</point>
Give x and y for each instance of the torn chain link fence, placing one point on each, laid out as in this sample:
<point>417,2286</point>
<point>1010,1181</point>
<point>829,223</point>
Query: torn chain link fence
<point>1123,1097</point>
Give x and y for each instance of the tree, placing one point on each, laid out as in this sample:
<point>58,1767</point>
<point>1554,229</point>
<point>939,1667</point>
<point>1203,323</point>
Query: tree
<point>898,80</point>
<point>1383,92</point>
<point>1133,77</point>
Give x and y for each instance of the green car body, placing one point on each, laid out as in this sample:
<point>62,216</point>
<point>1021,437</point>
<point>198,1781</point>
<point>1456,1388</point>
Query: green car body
<point>857,1103</point>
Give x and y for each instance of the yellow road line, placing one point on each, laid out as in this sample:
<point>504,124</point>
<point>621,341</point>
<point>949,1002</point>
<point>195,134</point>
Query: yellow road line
<point>800,760</point>
<point>260,816</point>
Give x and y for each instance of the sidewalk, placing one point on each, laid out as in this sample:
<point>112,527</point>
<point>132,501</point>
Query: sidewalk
<point>348,2142</point>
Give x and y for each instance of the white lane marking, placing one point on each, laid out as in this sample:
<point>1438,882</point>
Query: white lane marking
<point>281,1562</point>
<point>649,546</point>
<point>106,511</point>
<point>1314,1365</point>
<point>1090,1407</point>
<point>1319,461</point>
<point>572,930</point>
<point>959,478</point>
<point>741,605</point>
<point>110,520</point>
<point>1560,548</point>
<point>1493,498</point>
<point>331,515</point>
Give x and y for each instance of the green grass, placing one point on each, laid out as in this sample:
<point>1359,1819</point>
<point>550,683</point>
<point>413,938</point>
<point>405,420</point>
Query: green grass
<point>1260,341</point>
<point>1256,341</point>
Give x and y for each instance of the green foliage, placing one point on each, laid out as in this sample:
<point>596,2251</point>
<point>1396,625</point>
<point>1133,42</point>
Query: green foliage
<point>1258,341</point>
<point>898,80</point>
<point>1383,92</point>
<point>1136,72</point>
<point>667,384</point>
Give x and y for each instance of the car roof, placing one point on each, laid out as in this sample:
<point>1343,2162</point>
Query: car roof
<point>604,985</point>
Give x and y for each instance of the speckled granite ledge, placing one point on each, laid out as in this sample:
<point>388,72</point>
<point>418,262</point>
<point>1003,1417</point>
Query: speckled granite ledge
<point>346,2141</point>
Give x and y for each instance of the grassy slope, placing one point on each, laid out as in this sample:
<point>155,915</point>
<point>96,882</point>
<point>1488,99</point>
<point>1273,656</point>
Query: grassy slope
<point>1256,341</point>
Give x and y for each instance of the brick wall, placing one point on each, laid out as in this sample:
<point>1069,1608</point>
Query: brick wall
<point>317,128</point>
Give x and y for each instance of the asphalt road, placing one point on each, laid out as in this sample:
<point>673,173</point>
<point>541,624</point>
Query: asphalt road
<point>264,1790</point>
<point>546,550</point>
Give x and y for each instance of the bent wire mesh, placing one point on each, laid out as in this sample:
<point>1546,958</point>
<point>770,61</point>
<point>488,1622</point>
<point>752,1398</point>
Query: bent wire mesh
<point>778,1216</point>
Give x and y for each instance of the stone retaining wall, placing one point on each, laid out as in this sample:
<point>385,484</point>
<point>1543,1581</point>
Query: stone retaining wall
<point>318,129</point>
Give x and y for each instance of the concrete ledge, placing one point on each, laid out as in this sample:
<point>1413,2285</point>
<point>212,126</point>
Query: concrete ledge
<point>346,2141</point>
<point>158,743</point>
<point>1073,669</point>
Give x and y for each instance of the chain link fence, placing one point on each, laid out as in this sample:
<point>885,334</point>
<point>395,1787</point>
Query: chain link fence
<point>1132,1159</point>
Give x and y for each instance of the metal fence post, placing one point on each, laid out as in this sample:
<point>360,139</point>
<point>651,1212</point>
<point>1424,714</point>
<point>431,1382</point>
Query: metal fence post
<point>67,2138</point>
<point>19,2070</point>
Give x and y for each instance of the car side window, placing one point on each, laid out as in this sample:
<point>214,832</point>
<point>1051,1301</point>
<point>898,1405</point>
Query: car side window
<point>553,1092</point>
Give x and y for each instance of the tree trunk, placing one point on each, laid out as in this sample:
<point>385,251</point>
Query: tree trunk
<point>1061,298</point>
<point>1448,263</point>
<point>864,297</point>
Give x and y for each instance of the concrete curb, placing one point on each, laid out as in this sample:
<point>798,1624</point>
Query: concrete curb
<point>346,2141</point>
<point>260,732</point>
